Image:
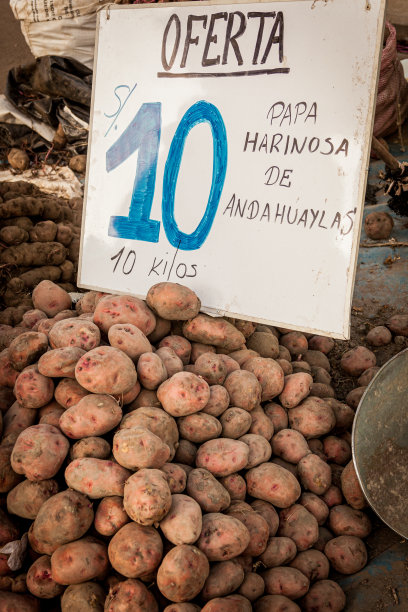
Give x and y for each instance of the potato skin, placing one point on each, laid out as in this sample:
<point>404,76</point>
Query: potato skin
<point>313,564</point>
<point>183,394</point>
<point>11,602</point>
<point>257,526</point>
<point>290,445</point>
<point>26,499</point>
<point>50,298</point>
<point>96,478</point>
<point>110,516</point>
<point>79,561</point>
<point>277,415</point>
<point>277,603</point>
<point>129,339</point>
<point>279,551</point>
<point>176,476</point>
<point>151,371</point>
<point>106,370</point>
<point>172,301</point>
<point>324,595</point>
<point>26,349</point>
<point>90,447</point>
<point>135,550</point>
<point>8,477</point>
<point>93,415</point>
<point>180,345</point>
<point>215,331</point>
<point>183,522</point>
<point>261,424</point>
<point>222,456</point>
<point>39,452</point>
<point>351,488</point>
<point>286,581</point>
<point>315,475</point>
<point>84,597</point>
<point>147,497</point>
<point>182,573</point>
<point>211,367</point>
<point>316,506</point>
<point>313,417</point>
<point>344,520</point>
<point>74,332</point>
<point>40,581</point>
<point>273,484</point>
<point>300,525</point>
<point>207,491</point>
<point>270,375</point>
<point>32,389</point>
<point>347,554</point>
<point>252,587</point>
<point>73,514</point>
<point>113,309</point>
<point>235,485</point>
<point>224,578</point>
<point>171,360</point>
<point>130,590</point>
<point>137,447</point>
<point>260,450</point>
<point>199,427</point>
<point>269,513</point>
<point>155,420</point>
<point>235,422</point>
<point>243,389</point>
<point>222,537</point>
<point>60,362</point>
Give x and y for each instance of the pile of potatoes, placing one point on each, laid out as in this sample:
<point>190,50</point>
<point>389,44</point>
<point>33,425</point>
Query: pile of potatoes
<point>162,459</point>
<point>39,240</point>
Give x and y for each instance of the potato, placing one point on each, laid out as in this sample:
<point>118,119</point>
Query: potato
<point>273,484</point>
<point>265,344</point>
<point>324,595</point>
<point>243,355</point>
<point>84,597</point>
<point>93,415</point>
<point>300,525</point>
<point>215,331</point>
<point>244,389</point>
<point>27,497</point>
<point>129,339</point>
<point>207,491</point>
<point>297,387</point>
<point>79,561</point>
<point>8,477</point>
<point>356,360</point>
<point>316,506</point>
<point>40,581</point>
<point>183,523</point>
<point>222,537</point>
<point>199,427</point>
<point>295,342</point>
<point>50,298</point>
<point>17,419</point>
<point>182,607</point>
<point>398,324</point>
<point>70,511</point>
<point>279,551</point>
<point>212,368</point>
<point>137,447</point>
<point>39,452</point>
<point>252,587</point>
<point>351,488</point>
<point>155,420</point>
<point>113,309</point>
<point>261,424</point>
<point>127,398</point>
<point>277,603</point>
<point>130,591</point>
<point>106,370</point>
<point>225,577</point>
<point>313,564</point>
<point>135,551</point>
<point>26,349</point>
<point>32,389</point>
<point>337,450</point>
<point>353,398</point>
<point>90,447</point>
<point>231,603</point>
<point>7,398</point>
<point>69,392</point>
<point>260,450</point>
<point>343,413</point>
<point>13,602</point>
<point>73,332</point>
<point>96,478</point>
<point>229,363</point>
<point>235,422</point>
<point>333,496</point>
<point>173,301</point>
<point>172,362</point>
<point>317,359</point>
<point>268,512</point>
<point>344,520</point>
<point>257,526</point>
<point>147,497</point>
<point>286,581</point>
<point>277,415</point>
<point>290,445</point>
<point>110,516</point>
<point>235,485</point>
<point>183,394</point>
<point>347,554</point>
<point>222,456</point>
<point>60,363</point>
<point>313,417</point>
<point>324,536</point>
<point>186,453</point>
<point>176,476</point>
<point>182,573</point>
<point>179,345</point>
<point>320,375</point>
<point>151,370</point>
<point>315,475</point>
<point>145,398</point>
<point>198,349</point>
<point>268,373</point>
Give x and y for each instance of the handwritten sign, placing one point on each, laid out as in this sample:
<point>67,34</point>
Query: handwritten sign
<point>229,148</point>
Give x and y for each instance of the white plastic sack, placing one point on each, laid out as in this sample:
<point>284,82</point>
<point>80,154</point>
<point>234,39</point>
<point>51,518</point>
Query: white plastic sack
<point>59,181</point>
<point>9,113</point>
<point>51,10</point>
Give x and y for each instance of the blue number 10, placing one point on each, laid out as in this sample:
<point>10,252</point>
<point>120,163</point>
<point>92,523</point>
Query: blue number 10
<point>143,134</point>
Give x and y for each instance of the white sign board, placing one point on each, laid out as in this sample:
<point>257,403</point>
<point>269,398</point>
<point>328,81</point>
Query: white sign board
<point>229,149</point>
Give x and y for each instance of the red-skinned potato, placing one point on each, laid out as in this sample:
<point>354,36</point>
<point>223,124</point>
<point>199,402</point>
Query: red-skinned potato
<point>69,392</point>
<point>50,298</point>
<point>39,452</point>
<point>300,525</point>
<point>113,309</point>
<point>274,484</point>
<point>222,537</point>
<point>244,389</point>
<point>261,424</point>
<point>60,362</point>
<point>215,331</point>
<point>269,513</point>
<point>79,561</point>
<point>211,367</point>
<point>90,447</point>
<point>176,476</point>
<point>129,339</point>
<point>132,590</point>
<point>295,342</point>
<point>297,388</point>
<point>183,394</point>
<point>314,473</point>
<point>268,373</point>
<point>40,581</point>
<point>84,597</point>
<point>324,595</point>
<point>207,491</point>
<point>264,343</point>
<point>182,573</point>
<point>337,450</point>
<point>155,420</point>
<point>96,478</point>
<point>27,349</point>
<point>290,445</point>
<point>218,401</point>
<point>110,516</point>
<point>260,450</point>
<point>183,522</point>
<point>313,564</point>
<point>313,418</point>
<point>172,362</point>
<point>222,456</point>
<point>135,551</point>
<point>347,554</point>
<point>279,551</point>
<point>8,374</point>
<point>242,355</point>
<point>17,419</point>
<point>252,587</point>
<point>257,526</point>
<point>137,447</point>
<point>351,488</point>
<point>16,601</point>
<point>277,603</point>
<point>26,499</point>
<point>316,506</point>
<point>172,301</point>
<point>235,485</point>
<point>106,370</point>
<point>197,349</point>
<point>74,332</point>
<point>179,345</point>
<point>344,520</point>
<point>277,415</point>
<point>147,497</point>
<point>93,415</point>
<point>32,389</point>
<point>286,581</point>
<point>235,422</point>
<point>151,371</point>
<point>186,452</point>
<point>182,607</point>
<point>199,427</point>
<point>225,577</point>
